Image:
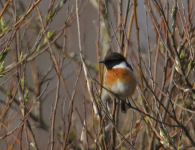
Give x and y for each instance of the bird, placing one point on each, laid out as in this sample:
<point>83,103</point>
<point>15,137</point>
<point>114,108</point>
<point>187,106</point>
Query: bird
<point>119,77</point>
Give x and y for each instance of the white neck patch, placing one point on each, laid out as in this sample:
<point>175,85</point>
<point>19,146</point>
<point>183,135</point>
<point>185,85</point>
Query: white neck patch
<point>122,65</point>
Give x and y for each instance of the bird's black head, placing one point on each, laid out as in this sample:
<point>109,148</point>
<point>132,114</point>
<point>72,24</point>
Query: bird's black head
<point>112,58</point>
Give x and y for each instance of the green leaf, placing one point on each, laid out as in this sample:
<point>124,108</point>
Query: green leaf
<point>48,16</point>
<point>167,131</point>
<point>49,34</point>
<point>147,119</point>
<point>140,100</point>
<point>166,140</point>
<point>72,135</point>
<point>182,54</point>
<point>191,64</point>
<point>22,82</point>
<point>60,5</point>
<point>102,136</point>
<point>133,131</point>
<point>2,56</point>
<point>2,68</point>
<point>123,148</point>
<point>38,48</point>
<point>2,75</point>
<point>178,148</point>
<point>26,98</point>
<point>21,56</point>
<point>3,24</point>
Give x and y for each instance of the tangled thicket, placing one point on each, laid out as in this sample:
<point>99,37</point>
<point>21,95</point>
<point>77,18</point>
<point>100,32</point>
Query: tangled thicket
<point>51,87</point>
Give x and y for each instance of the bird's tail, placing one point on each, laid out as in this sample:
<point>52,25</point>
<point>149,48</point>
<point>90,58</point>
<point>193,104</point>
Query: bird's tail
<point>123,106</point>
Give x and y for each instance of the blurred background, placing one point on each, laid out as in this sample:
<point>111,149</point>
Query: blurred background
<point>48,98</point>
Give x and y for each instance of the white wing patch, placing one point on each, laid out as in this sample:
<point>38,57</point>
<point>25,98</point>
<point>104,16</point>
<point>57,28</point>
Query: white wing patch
<point>122,65</point>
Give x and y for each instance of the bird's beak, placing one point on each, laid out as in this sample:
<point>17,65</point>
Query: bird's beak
<point>103,61</point>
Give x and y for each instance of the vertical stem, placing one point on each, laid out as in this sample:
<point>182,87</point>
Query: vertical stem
<point>113,134</point>
<point>119,23</point>
<point>54,111</point>
<point>98,48</point>
<point>138,46</point>
<point>129,33</point>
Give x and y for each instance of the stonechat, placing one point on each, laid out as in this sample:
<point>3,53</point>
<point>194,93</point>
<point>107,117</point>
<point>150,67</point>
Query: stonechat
<point>119,77</point>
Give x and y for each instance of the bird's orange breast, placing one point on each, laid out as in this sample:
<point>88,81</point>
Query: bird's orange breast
<point>113,75</point>
<point>120,81</point>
